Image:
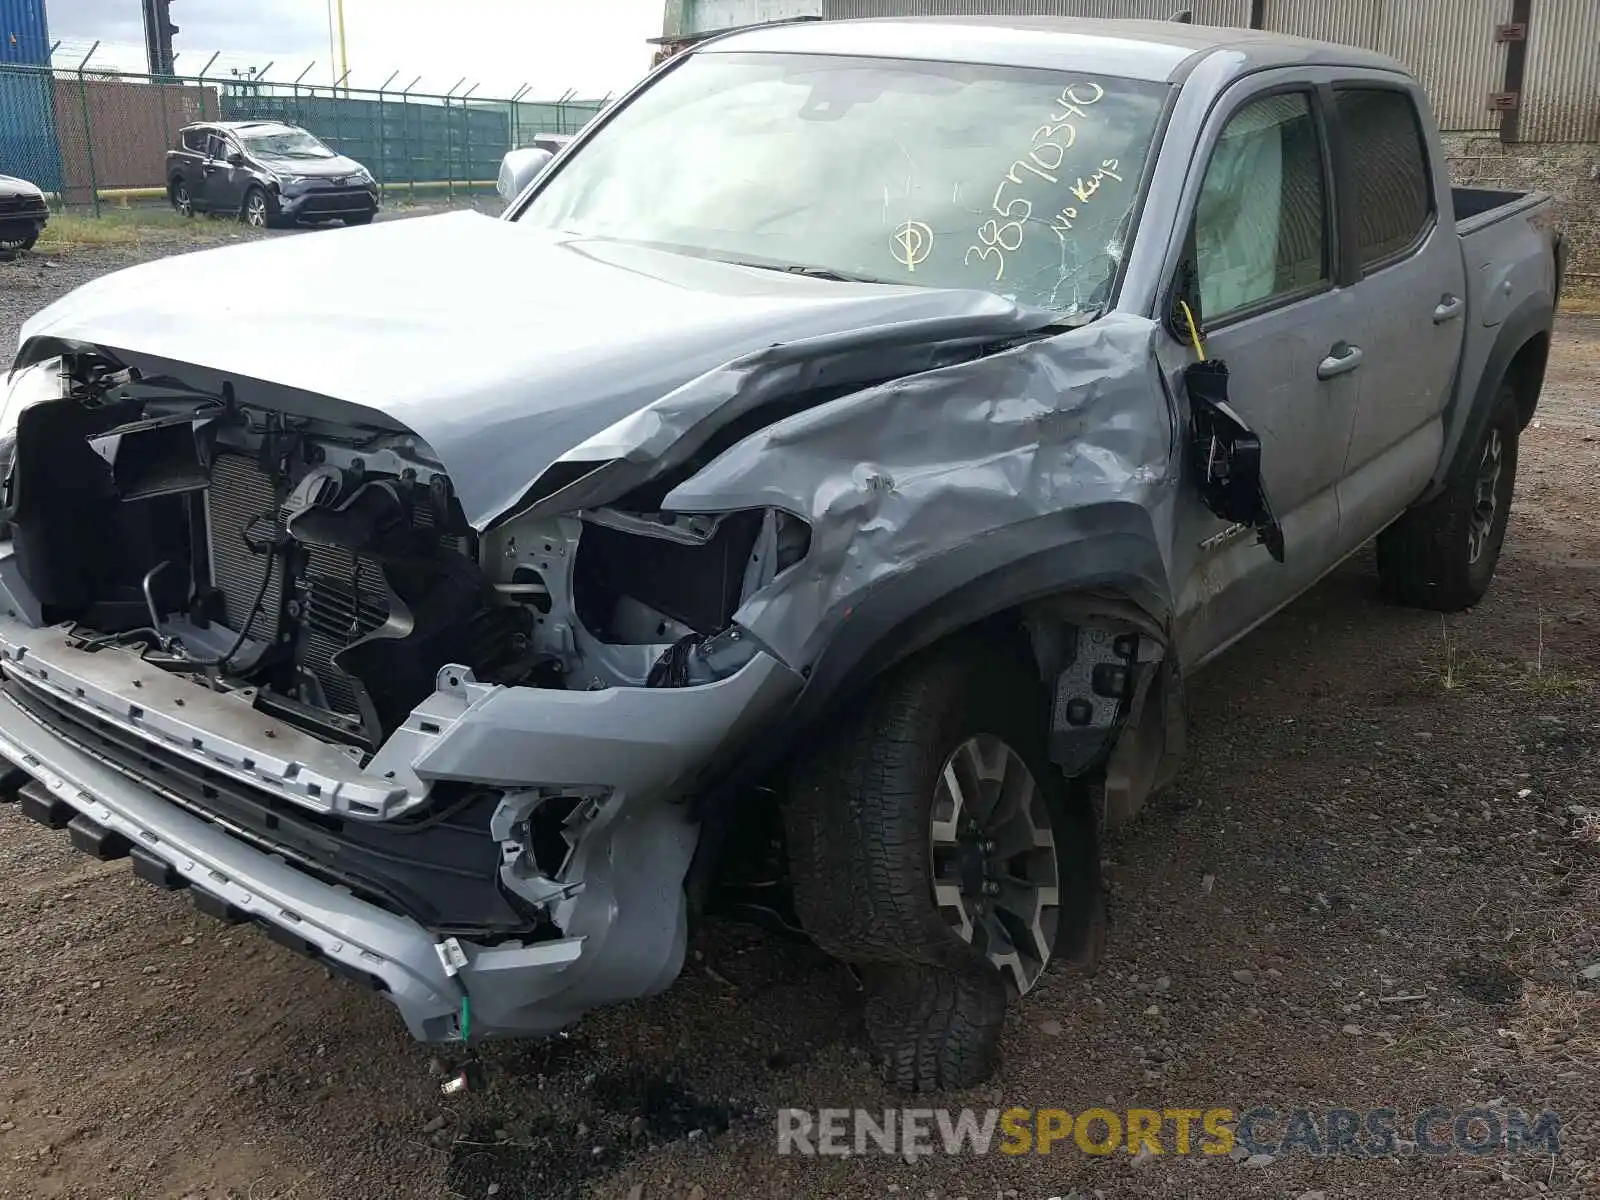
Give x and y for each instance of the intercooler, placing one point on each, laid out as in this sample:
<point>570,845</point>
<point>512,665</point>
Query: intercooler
<point>339,598</point>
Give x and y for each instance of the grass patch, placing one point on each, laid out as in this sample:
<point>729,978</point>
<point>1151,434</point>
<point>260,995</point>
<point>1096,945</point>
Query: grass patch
<point>125,227</point>
<point>1580,299</point>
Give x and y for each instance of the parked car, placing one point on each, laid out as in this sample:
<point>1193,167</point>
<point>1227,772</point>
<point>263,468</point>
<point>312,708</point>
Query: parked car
<point>854,440</point>
<point>268,173</point>
<point>23,214</point>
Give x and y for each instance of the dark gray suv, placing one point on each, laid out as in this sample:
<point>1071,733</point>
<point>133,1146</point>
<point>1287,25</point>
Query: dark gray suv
<point>268,173</point>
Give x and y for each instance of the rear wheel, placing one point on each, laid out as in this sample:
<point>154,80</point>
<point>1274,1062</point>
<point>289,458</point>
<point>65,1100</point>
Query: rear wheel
<point>182,199</point>
<point>933,843</point>
<point>1442,555</point>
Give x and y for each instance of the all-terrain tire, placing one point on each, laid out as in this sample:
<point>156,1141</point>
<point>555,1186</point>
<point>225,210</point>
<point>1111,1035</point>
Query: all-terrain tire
<point>1426,558</point>
<point>858,828</point>
<point>933,1029</point>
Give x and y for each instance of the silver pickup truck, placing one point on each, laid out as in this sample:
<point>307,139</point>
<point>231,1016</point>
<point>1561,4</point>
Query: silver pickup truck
<point>851,441</point>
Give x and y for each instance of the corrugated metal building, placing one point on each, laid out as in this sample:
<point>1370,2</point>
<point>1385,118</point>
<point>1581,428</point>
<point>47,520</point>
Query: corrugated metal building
<point>1515,83</point>
<point>24,32</point>
<point>1458,48</point>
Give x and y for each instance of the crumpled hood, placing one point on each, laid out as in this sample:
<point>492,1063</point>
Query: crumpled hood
<point>318,167</point>
<point>501,346</point>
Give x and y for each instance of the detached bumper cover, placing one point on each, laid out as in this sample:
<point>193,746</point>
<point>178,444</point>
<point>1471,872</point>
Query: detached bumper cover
<point>619,921</point>
<point>354,937</point>
<point>328,202</point>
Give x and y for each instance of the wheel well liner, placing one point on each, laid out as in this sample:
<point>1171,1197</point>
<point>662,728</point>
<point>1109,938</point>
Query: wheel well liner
<point>983,589</point>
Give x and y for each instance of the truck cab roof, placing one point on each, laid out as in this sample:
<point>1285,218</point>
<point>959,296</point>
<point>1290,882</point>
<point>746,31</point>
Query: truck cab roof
<point>1151,50</point>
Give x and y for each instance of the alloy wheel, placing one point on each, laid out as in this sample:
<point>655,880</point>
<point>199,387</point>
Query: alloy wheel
<point>1486,497</point>
<point>182,201</point>
<point>255,211</point>
<point>995,874</point>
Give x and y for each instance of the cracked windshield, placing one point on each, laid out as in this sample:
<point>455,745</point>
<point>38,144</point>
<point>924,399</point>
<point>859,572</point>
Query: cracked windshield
<point>1018,181</point>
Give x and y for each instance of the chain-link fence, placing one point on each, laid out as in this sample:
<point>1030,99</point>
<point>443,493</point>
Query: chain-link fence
<point>88,136</point>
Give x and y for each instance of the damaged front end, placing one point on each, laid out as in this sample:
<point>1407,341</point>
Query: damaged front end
<point>296,657</point>
<point>284,627</point>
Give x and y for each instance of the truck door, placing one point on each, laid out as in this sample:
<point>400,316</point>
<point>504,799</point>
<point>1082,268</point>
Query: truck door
<point>1411,283</point>
<point>1262,259</point>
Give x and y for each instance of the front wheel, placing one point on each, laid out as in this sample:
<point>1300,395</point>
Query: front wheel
<point>257,211</point>
<point>18,245</point>
<point>933,843</point>
<point>1442,555</point>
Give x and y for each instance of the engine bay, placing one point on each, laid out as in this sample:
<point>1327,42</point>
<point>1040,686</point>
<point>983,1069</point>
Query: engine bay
<point>325,572</point>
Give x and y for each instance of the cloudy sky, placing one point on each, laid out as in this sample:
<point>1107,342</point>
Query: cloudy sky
<point>593,46</point>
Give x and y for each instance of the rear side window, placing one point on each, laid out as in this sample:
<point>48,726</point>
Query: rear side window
<point>1391,188</point>
<point>194,139</point>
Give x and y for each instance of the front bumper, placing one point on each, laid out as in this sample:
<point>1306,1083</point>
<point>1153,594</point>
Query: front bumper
<point>325,203</point>
<point>19,221</point>
<point>619,923</point>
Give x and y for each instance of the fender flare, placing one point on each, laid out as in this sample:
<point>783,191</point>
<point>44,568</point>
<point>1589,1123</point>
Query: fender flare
<point>1115,550</point>
<point>1526,322</point>
<point>1109,548</point>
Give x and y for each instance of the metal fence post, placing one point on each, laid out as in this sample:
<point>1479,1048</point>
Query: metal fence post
<point>516,117</point>
<point>383,141</point>
<point>450,143</point>
<point>405,137</point>
<point>466,134</point>
<point>338,111</point>
<point>88,129</point>
<point>296,90</point>
<point>201,80</point>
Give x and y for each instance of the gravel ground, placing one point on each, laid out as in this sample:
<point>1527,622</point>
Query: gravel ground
<point>1378,804</point>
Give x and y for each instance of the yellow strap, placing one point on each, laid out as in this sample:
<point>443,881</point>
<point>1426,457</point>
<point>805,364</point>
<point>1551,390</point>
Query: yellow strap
<point>1194,330</point>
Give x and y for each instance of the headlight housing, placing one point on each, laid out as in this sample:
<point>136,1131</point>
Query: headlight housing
<point>25,388</point>
<point>291,180</point>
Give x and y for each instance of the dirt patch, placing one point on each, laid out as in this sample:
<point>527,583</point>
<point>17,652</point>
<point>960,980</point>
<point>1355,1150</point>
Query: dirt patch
<point>1371,887</point>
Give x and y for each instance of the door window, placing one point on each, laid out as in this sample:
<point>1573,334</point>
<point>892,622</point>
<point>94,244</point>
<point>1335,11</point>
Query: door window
<point>1391,192</point>
<point>216,146</point>
<point>1261,221</point>
<point>195,139</point>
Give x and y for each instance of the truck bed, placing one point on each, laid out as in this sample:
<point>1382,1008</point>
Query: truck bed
<point>1476,208</point>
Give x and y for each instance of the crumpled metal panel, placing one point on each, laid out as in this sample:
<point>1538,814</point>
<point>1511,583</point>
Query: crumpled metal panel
<point>954,474</point>
<point>417,329</point>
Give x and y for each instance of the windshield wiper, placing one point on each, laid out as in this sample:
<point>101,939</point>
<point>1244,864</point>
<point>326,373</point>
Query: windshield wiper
<point>810,271</point>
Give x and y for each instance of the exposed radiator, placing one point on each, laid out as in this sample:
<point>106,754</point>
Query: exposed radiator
<point>240,492</point>
<point>345,600</point>
<point>344,596</point>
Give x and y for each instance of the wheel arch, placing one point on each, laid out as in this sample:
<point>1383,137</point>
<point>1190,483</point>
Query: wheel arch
<point>1525,372</point>
<point>1520,354</point>
<point>1109,577</point>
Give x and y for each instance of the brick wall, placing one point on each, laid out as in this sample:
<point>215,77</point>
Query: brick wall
<point>1568,171</point>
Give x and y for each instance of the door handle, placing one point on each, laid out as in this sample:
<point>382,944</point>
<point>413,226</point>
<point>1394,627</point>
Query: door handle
<point>1342,359</point>
<point>1448,310</point>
